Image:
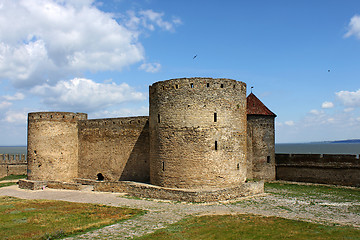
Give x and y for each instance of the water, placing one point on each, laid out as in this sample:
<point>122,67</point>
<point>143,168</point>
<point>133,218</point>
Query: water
<point>318,148</point>
<point>13,150</point>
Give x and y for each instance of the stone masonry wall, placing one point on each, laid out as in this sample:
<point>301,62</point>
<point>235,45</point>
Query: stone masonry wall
<point>319,168</point>
<point>12,164</point>
<point>197,133</point>
<point>261,147</point>
<point>116,148</point>
<point>53,145</point>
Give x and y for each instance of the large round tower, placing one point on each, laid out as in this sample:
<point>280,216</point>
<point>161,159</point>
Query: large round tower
<point>197,133</point>
<point>53,145</point>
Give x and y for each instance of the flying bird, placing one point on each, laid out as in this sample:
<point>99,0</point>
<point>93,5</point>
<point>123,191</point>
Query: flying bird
<point>194,56</point>
<point>329,70</point>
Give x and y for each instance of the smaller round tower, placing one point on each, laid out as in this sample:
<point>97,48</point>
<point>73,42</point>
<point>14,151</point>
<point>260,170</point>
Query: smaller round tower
<point>52,148</point>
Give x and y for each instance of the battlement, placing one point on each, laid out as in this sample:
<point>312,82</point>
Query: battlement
<point>198,83</point>
<point>57,116</point>
<point>119,122</point>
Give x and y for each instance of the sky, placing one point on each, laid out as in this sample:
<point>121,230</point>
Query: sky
<point>302,58</point>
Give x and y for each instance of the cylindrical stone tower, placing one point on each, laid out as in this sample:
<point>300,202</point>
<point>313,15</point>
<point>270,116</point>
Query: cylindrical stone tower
<point>52,149</point>
<point>197,133</point>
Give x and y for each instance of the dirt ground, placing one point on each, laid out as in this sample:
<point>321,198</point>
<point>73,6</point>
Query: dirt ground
<point>162,213</point>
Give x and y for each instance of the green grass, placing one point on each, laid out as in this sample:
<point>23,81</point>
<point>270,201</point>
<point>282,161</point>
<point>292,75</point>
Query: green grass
<point>46,219</point>
<point>13,177</point>
<point>326,193</point>
<point>250,227</point>
<point>7,184</point>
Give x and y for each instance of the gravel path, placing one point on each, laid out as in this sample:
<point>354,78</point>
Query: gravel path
<point>162,213</point>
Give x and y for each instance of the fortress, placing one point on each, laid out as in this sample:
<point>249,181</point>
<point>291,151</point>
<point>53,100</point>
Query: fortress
<point>202,141</point>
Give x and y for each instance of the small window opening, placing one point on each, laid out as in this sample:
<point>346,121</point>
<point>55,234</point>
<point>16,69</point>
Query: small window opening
<point>50,116</point>
<point>238,166</point>
<point>40,116</point>
<point>100,177</point>
<point>216,145</point>
<point>208,85</point>
<point>163,87</point>
<point>222,85</point>
<point>176,86</point>
<point>268,159</point>
<point>158,118</point>
<point>35,152</point>
<point>215,117</point>
<point>63,116</point>
<point>234,86</point>
<point>73,117</point>
<point>163,165</point>
<point>191,85</point>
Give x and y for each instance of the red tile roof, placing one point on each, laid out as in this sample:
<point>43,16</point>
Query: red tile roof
<point>256,107</point>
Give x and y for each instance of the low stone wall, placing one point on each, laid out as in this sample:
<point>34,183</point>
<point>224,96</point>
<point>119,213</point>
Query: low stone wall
<point>144,190</point>
<point>319,168</point>
<point>12,164</point>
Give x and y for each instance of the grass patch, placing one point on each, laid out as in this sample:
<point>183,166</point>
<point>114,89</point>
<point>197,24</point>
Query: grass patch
<point>7,184</point>
<point>13,177</point>
<point>329,193</point>
<point>250,227</point>
<point>47,219</point>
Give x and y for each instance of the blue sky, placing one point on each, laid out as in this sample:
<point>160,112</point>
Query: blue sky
<point>99,57</point>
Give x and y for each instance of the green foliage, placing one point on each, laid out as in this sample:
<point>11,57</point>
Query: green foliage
<point>329,193</point>
<point>250,227</point>
<point>13,177</point>
<point>6,184</point>
<point>46,219</point>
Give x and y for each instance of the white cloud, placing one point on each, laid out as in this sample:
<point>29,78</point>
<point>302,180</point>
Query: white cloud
<point>123,112</point>
<point>349,99</point>
<point>5,104</point>
<point>149,18</point>
<point>316,112</point>
<point>43,41</point>
<point>289,123</point>
<point>354,27</point>
<point>150,67</point>
<point>327,105</point>
<point>15,97</point>
<point>16,117</point>
<point>349,109</point>
<point>81,94</point>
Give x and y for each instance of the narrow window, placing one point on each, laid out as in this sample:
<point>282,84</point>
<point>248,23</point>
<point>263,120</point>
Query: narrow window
<point>158,118</point>
<point>238,166</point>
<point>216,145</point>
<point>191,85</point>
<point>215,117</point>
<point>176,86</point>
<point>268,159</point>
<point>35,152</point>
<point>163,165</point>
<point>222,85</point>
<point>234,86</point>
<point>208,85</point>
<point>50,116</point>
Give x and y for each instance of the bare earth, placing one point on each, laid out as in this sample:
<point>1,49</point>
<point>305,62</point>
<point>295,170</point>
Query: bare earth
<point>162,213</point>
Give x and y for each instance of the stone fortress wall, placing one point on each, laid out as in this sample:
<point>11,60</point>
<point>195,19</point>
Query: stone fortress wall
<point>114,149</point>
<point>194,138</point>
<point>53,145</point>
<point>12,164</point>
<point>319,168</point>
<point>198,133</point>
<point>261,147</point>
